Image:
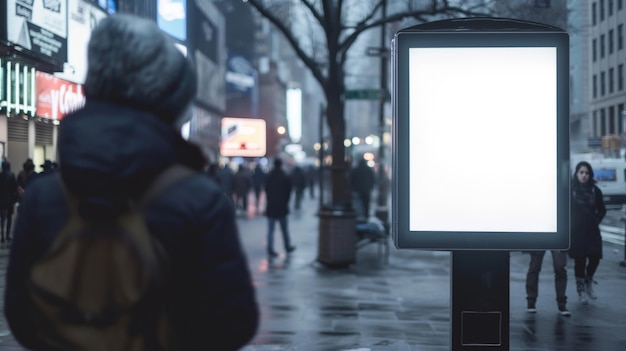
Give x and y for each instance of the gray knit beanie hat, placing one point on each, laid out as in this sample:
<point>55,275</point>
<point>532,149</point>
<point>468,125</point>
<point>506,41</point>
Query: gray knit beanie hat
<point>132,62</point>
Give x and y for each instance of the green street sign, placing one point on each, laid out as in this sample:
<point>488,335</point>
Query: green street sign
<point>365,94</point>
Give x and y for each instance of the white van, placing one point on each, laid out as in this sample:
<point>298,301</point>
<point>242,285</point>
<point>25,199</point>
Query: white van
<point>610,174</point>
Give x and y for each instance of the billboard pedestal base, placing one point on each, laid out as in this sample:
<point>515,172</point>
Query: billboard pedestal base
<point>480,300</point>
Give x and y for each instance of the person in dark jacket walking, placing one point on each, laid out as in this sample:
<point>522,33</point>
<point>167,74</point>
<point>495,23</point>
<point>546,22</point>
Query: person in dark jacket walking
<point>8,197</point>
<point>258,178</point>
<point>363,179</point>
<point>138,89</point>
<point>243,185</point>
<point>298,179</point>
<point>226,178</point>
<point>587,211</point>
<point>277,191</point>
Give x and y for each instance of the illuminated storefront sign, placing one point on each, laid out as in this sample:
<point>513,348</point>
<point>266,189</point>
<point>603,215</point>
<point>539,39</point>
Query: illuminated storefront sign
<point>57,97</point>
<point>17,94</point>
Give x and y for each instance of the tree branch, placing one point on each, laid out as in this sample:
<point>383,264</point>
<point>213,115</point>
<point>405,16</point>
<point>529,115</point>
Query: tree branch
<point>306,59</point>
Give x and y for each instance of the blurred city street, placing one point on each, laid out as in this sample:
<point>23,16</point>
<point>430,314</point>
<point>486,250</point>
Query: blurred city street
<point>404,304</point>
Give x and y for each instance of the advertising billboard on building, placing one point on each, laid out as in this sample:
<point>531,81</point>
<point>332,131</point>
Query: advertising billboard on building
<point>244,137</point>
<point>38,26</point>
<point>82,19</point>
<point>207,47</point>
<point>172,18</point>
<point>57,97</point>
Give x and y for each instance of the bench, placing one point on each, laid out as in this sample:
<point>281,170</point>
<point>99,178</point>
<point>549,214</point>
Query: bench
<point>372,231</point>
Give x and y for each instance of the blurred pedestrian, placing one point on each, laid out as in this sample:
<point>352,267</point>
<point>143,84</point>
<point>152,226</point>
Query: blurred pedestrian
<point>8,198</point>
<point>277,191</point>
<point>47,168</point>
<point>138,89</point>
<point>559,261</point>
<point>212,172</point>
<point>226,178</point>
<point>243,185</point>
<point>25,177</point>
<point>298,180</point>
<point>311,179</point>
<point>258,178</point>
<point>587,211</point>
<point>362,179</point>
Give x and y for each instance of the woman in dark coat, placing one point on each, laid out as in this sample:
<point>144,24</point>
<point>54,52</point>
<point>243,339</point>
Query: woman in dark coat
<point>587,211</point>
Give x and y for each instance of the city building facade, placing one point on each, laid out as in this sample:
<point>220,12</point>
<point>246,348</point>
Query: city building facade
<point>607,57</point>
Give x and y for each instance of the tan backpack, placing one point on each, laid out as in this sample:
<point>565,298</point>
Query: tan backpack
<point>101,285</point>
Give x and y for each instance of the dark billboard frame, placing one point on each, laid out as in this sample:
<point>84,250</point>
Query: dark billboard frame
<point>476,33</point>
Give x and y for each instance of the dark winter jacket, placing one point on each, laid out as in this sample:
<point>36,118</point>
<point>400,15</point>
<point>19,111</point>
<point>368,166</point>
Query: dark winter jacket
<point>298,179</point>
<point>587,211</point>
<point>362,178</point>
<point>107,150</point>
<point>277,191</point>
<point>243,181</point>
<point>258,178</point>
<point>8,189</point>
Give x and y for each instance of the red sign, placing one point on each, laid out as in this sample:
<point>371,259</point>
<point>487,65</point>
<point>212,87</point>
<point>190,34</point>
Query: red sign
<point>57,97</point>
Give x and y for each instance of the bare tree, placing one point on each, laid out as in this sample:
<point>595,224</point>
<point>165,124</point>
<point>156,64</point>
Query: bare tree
<point>324,48</point>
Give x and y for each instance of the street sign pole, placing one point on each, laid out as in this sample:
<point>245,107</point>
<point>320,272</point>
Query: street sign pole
<point>382,212</point>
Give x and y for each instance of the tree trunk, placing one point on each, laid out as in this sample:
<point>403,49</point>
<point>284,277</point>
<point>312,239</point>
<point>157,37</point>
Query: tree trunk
<point>337,125</point>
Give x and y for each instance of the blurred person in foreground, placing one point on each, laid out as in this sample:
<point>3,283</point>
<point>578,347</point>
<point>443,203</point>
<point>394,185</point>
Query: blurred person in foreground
<point>587,211</point>
<point>139,88</point>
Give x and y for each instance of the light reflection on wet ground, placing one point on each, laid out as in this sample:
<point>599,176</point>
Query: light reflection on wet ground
<point>404,305</point>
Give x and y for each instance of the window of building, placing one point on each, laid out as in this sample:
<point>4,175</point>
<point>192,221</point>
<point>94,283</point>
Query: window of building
<point>601,10</point>
<point>602,46</point>
<point>610,41</point>
<point>620,77</point>
<point>595,123</point>
<point>595,86</point>
<point>610,8</point>
<point>620,116</point>
<point>594,50</point>
<point>620,4</point>
<point>602,122</point>
<point>620,37</point>
<point>612,118</point>
<point>602,83</point>
<point>594,14</point>
<point>611,80</point>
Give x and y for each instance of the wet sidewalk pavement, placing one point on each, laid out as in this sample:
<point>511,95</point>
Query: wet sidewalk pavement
<point>402,305</point>
<point>405,304</point>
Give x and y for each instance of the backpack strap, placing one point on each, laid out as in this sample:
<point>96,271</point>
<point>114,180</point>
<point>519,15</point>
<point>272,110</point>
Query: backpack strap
<point>163,182</point>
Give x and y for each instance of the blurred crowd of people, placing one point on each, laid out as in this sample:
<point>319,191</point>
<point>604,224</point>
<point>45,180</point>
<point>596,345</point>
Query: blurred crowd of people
<point>241,180</point>
<point>13,186</point>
